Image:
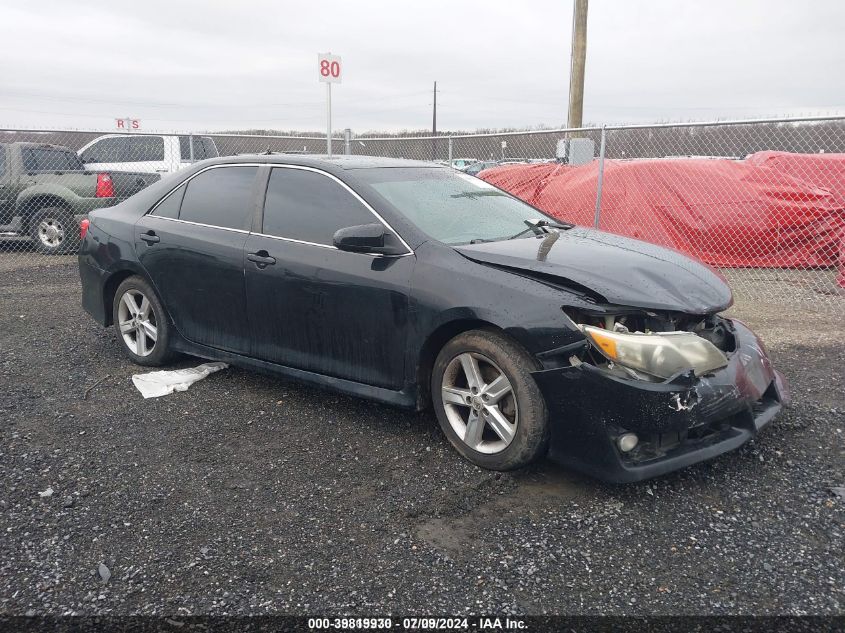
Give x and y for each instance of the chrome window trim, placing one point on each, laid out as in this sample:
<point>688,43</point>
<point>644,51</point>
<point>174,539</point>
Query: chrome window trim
<point>290,239</point>
<point>208,226</point>
<point>185,184</point>
<point>375,213</point>
<point>354,195</point>
<point>330,247</point>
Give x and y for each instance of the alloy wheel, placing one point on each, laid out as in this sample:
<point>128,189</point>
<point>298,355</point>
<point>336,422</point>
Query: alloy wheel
<point>480,403</point>
<point>137,322</point>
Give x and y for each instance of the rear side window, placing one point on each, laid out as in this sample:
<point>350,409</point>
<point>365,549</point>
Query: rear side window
<point>107,150</point>
<point>209,147</point>
<point>220,197</point>
<point>2,160</point>
<point>50,159</point>
<point>304,205</point>
<point>169,207</point>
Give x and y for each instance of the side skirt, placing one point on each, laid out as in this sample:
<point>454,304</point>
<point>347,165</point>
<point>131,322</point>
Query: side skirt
<point>406,397</point>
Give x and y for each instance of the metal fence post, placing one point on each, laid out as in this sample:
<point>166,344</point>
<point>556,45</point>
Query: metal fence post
<point>597,216</point>
<point>347,141</point>
<point>450,151</point>
<point>191,144</point>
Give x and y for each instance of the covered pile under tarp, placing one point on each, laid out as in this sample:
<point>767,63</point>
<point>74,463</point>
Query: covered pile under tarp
<point>732,213</point>
<point>825,170</point>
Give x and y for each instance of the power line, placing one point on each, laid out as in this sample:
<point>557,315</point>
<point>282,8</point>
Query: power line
<point>191,120</point>
<point>153,104</point>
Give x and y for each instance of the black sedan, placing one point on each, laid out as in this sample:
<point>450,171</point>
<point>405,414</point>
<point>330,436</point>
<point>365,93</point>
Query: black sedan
<point>415,285</point>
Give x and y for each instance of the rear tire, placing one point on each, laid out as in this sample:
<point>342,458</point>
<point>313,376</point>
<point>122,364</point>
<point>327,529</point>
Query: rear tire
<point>487,402</point>
<point>141,323</point>
<point>54,231</point>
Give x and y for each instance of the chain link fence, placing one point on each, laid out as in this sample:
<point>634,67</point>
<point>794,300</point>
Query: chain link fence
<point>764,201</point>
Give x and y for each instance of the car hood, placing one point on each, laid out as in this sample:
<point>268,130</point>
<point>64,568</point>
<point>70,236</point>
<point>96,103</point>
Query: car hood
<point>622,270</point>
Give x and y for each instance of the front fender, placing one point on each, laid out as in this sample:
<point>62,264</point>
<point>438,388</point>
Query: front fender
<point>448,287</point>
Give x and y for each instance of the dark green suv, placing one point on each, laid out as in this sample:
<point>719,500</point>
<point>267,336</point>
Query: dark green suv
<point>45,190</point>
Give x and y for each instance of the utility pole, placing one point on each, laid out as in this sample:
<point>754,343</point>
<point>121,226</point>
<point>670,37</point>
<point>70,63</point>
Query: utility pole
<point>434,125</point>
<point>577,64</point>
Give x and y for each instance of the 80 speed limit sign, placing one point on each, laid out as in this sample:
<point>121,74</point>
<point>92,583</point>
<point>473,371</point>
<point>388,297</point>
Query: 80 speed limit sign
<point>329,68</point>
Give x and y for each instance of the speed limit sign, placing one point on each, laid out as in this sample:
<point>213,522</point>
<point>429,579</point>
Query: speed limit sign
<point>329,68</point>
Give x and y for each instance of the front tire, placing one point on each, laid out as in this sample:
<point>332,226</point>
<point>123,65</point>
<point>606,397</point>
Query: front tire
<point>487,402</point>
<point>141,322</point>
<point>54,231</point>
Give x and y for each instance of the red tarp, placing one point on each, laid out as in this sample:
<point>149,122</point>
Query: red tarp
<point>825,170</point>
<point>771,210</point>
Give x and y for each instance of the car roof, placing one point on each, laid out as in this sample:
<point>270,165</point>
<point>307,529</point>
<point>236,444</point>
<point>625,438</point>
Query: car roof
<point>321,161</point>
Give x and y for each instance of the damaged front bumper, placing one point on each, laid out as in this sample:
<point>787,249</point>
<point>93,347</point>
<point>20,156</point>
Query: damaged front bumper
<point>678,422</point>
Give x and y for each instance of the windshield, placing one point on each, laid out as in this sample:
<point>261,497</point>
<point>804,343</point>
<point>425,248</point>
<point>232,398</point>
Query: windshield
<point>450,206</point>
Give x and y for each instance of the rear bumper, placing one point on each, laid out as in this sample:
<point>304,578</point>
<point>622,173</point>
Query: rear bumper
<point>93,281</point>
<point>678,423</point>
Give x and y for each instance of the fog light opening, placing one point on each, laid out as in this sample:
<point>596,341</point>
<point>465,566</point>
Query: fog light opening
<point>627,442</point>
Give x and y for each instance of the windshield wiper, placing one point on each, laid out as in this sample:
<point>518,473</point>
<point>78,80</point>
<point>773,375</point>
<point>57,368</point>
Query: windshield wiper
<point>539,227</point>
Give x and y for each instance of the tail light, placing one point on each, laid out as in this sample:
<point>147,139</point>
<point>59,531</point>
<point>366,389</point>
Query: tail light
<point>83,228</point>
<point>105,186</point>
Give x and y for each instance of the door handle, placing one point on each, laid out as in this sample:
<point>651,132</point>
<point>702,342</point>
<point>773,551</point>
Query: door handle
<point>150,237</point>
<point>261,259</point>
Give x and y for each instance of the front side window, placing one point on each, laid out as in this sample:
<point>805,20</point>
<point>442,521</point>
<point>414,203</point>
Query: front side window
<point>220,197</point>
<point>308,206</point>
<point>145,149</point>
<point>2,160</point>
<point>450,206</point>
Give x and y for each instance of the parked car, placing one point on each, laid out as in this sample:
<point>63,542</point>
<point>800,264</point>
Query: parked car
<point>477,168</point>
<point>146,152</point>
<point>46,187</point>
<point>415,285</point>
<point>462,163</point>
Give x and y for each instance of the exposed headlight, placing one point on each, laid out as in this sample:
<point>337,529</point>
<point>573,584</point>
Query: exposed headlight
<point>663,354</point>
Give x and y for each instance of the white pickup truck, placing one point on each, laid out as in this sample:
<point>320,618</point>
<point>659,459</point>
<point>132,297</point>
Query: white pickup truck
<point>149,153</point>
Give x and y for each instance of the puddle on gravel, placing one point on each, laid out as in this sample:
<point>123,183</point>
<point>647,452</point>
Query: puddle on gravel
<point>535,494</point>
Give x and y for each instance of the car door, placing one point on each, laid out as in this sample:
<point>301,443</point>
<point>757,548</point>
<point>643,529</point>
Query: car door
<point>317,308</point>
<point>191,245</point>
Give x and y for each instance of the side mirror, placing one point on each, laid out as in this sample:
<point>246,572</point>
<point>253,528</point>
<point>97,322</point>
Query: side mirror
<point>367,238</point>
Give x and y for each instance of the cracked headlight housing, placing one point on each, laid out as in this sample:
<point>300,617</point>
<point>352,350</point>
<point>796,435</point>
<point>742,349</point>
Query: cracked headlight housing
<point>662,354</point>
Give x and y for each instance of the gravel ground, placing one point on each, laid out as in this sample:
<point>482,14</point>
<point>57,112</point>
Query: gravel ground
<point>250,495</point>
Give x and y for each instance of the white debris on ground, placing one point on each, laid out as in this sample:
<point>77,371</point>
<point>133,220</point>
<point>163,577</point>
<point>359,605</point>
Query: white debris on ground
<point>161,383</point>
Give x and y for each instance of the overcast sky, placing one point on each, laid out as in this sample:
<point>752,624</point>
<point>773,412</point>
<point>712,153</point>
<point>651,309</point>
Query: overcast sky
<point>182,65</point>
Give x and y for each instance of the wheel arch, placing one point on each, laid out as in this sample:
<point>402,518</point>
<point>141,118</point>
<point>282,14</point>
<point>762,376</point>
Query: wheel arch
<point>29,207</point>
<point>114,280</point>
<point>432,346</point>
